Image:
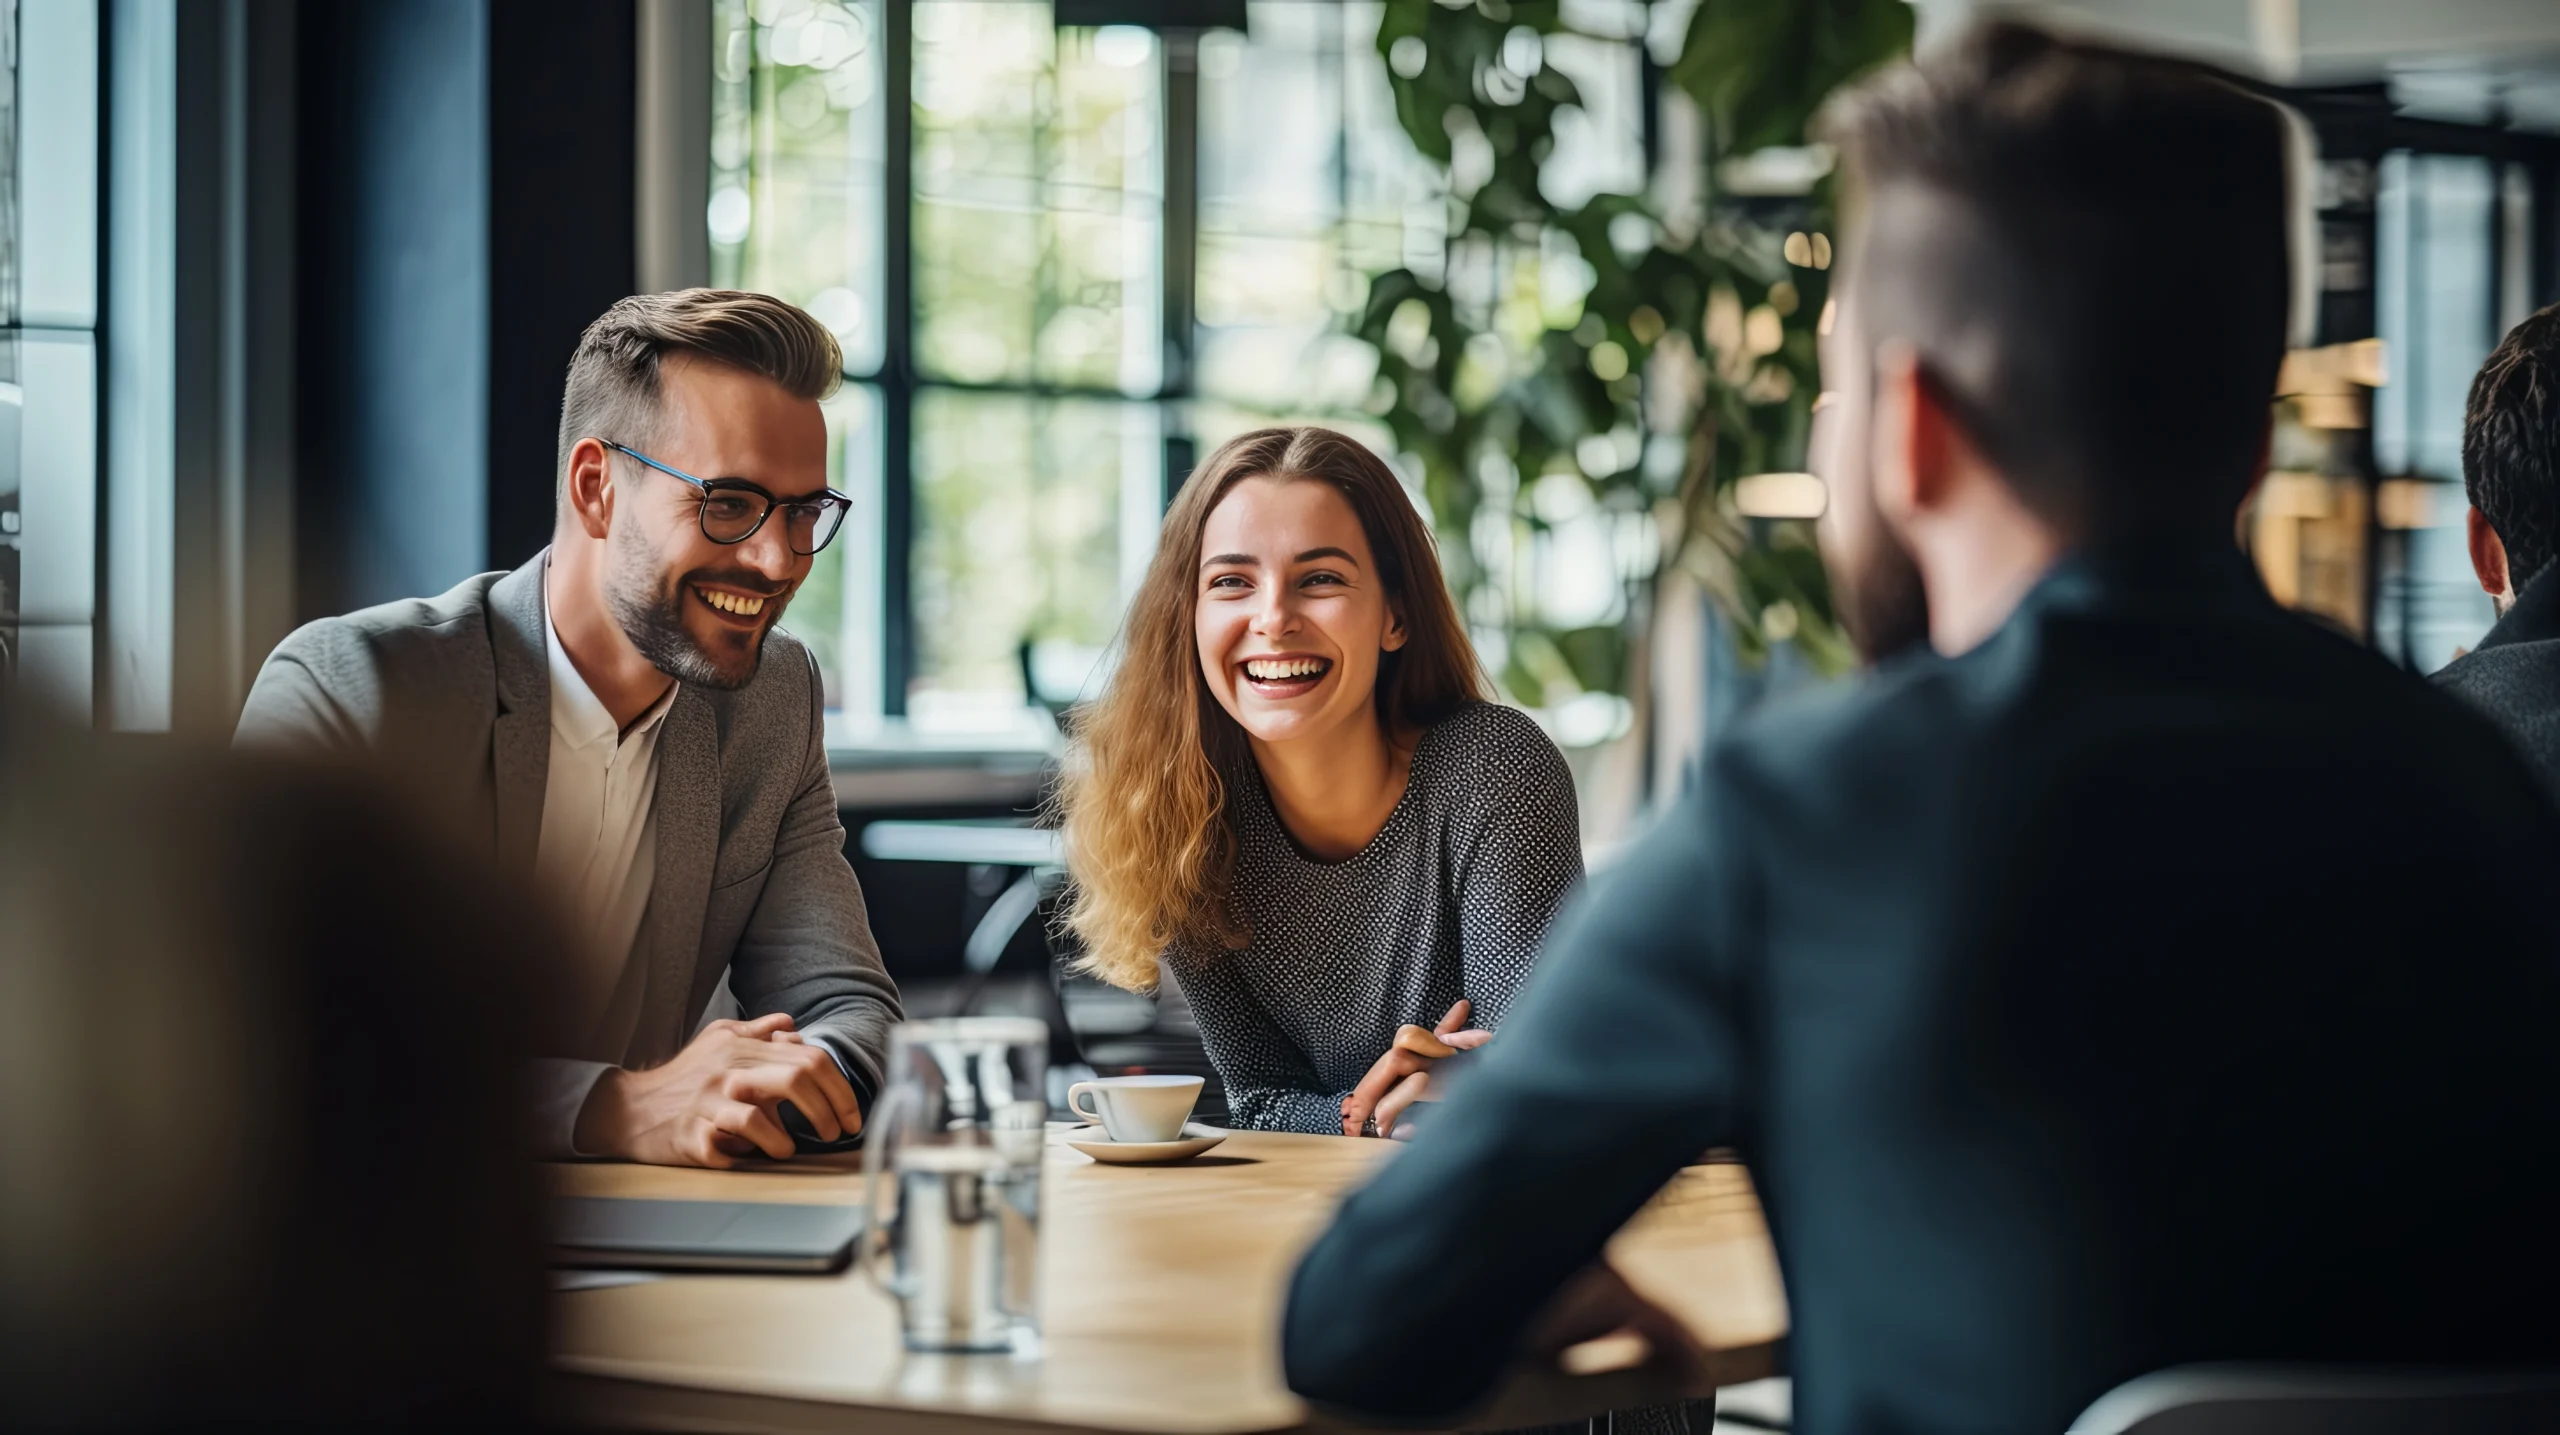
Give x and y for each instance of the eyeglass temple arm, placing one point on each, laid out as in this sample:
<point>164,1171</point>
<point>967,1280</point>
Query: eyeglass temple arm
<point>842,499</point>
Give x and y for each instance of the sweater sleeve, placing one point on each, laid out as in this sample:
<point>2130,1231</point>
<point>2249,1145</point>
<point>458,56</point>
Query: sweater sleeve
<point>1514,868</point>
<point>1270,1084</point>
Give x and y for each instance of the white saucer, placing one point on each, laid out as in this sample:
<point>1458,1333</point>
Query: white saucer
<point>1196,1138</point>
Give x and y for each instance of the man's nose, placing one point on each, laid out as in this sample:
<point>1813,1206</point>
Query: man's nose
<point>767,551</point>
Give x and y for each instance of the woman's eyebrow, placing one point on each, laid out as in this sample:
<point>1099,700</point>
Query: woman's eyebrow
<point>1247,560</point>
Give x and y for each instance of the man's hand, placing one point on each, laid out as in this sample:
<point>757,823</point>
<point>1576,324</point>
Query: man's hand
<point>717,1102</point>
<point>1597,1304</point>
<point>1403,1076</point>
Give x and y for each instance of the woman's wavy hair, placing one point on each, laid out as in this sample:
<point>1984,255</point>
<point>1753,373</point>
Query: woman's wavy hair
<point>1151,845</point>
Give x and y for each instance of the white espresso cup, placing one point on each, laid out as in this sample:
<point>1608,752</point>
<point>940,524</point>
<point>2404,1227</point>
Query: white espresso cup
<point>1138,1108</point>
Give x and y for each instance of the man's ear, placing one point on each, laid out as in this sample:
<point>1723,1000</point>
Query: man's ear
<point>2488,556</point>
<point>1901,434</point>
<point>589,489</point>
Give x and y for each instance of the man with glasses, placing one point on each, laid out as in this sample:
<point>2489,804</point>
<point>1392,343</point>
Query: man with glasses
<point>621,717</point>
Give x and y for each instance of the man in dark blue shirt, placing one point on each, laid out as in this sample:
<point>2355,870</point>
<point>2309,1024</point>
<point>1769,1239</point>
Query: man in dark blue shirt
<point>2085,987</point>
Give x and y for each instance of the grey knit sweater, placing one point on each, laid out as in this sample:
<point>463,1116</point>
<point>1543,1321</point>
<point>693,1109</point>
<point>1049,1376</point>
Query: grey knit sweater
<point>1450,899</point>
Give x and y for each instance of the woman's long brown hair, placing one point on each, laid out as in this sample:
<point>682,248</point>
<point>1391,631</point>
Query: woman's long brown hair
<point>1151,846</point>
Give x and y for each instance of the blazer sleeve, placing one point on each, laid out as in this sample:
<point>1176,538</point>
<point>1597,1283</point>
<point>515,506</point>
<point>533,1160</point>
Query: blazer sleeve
<point>309,696</point>
<point>560,1090</point>
<point>1620,1064</point>
<point>807,948</point>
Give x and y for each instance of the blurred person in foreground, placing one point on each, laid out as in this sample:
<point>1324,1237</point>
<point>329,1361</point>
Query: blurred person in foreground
<point>2511,470</point>
<point>620,721</point>
<point>267,1164</point>
<point>2080,988</point>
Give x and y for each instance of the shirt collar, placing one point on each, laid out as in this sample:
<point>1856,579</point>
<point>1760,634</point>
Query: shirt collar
<point>577,713</point>
<point>2151,571</point>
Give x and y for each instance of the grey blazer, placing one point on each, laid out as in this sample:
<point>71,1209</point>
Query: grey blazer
<point>454,692</point>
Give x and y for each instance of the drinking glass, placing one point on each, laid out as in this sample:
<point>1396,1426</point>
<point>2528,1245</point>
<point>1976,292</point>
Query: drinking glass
<point>953,1181</point>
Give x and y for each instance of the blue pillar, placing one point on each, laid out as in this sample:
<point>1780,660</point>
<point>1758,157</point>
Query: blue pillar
<point>395,357</point>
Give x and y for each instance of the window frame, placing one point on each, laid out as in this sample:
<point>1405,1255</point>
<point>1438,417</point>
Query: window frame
<point>2361,127</point>
<point>900,379</point>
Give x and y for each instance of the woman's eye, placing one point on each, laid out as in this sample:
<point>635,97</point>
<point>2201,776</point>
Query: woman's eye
<point>1325,579</point>
<point>1229,582</point>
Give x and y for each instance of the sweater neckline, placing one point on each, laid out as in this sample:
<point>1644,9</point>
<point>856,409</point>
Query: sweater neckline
<point>1398,817</point>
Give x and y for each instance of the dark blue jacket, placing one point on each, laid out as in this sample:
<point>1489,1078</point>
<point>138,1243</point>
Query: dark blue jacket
<point>2513,677</point>
<point>2147,985</point>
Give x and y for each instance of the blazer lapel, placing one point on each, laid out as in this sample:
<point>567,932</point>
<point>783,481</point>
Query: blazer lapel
<point>522,741</point>
<point>687,809</point>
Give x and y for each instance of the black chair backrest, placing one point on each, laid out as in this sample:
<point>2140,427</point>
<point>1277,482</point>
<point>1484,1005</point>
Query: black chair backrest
<point>2248,1399</point>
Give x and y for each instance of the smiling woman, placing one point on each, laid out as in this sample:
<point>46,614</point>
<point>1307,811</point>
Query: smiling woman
<point>1295,797</point>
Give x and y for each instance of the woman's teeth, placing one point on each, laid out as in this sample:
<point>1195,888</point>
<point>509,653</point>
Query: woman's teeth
<point>1270,670</point>
<point>731,602</point>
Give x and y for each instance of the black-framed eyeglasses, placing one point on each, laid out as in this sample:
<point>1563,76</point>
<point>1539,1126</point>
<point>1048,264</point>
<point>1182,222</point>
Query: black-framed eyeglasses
<point>733,509</point>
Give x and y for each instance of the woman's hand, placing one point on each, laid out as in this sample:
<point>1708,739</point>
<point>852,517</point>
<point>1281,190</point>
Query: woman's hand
<point>1403,1076</point>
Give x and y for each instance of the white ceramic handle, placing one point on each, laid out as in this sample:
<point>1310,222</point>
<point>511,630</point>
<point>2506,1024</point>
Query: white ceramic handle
<point>1072,1105</point>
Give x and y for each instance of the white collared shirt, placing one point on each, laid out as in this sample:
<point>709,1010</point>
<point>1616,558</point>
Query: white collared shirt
<point>599,853</point>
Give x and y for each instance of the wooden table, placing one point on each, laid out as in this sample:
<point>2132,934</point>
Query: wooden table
<point>1161,1291</point>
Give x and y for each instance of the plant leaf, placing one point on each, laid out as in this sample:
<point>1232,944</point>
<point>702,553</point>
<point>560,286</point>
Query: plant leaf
<point>1761,68</point>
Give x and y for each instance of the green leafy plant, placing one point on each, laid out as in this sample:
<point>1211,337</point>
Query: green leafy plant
<point>1596,379</point>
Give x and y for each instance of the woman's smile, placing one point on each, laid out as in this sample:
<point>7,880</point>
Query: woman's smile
<point>1290,618</point>
<point>1282,676</point>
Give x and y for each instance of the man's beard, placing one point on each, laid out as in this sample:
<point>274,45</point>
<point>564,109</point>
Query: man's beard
<point>650,608</point>
<point>1878,595</point>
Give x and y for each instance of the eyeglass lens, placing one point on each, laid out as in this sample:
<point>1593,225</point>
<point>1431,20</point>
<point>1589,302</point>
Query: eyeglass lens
<point>730,517</point>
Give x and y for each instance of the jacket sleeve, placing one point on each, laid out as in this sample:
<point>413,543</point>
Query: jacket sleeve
<point>304,698</point>
<point>1619,1064</point>
<point>560,1089</point>
<point>807,948</point>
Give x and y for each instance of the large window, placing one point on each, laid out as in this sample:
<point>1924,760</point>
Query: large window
<point>48,350</point>
<point>2450,283</point>
<point>1063,263</point>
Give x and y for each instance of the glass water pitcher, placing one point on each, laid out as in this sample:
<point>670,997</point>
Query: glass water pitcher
<point>953,1181</point>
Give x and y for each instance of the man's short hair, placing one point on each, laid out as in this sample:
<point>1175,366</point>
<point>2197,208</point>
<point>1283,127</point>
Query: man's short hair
<point>2511,444</point>
<point>2089,249</point>
<point>613,377</point>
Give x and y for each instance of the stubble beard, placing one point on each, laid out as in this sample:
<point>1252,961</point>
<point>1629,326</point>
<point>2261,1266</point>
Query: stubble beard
<point>1877,592</point>
<point>649,605</point>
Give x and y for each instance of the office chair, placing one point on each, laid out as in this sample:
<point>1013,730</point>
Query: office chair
<point>2253,1399</point>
